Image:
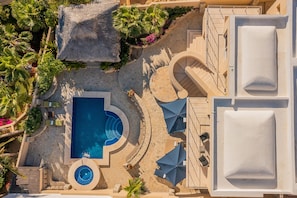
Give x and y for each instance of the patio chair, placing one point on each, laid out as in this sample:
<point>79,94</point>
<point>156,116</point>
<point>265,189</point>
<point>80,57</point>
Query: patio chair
<point>203,161</point>
<point>56,122</point>
<point>50,104</point>
<point>204,137</point>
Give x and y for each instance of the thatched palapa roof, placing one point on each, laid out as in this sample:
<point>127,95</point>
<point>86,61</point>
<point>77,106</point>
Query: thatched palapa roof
<point>85,33</point>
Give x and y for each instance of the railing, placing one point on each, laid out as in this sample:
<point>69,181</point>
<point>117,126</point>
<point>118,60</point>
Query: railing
<point>212,58</point>
<point>193,129</point>
<point>213,36</point>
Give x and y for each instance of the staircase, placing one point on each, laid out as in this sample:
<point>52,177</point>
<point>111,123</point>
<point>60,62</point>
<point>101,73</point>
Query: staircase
<point>113,128</point>
<point>196,43</point>
<point>196,78</point>
<point>184,80</point>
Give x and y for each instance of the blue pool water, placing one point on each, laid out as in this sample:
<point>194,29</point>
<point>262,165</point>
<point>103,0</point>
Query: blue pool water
<point>93,128</point>
<point>83,175</point>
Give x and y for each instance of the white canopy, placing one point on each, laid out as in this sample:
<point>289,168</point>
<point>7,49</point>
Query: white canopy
<point>249,144</point>
<point>257,57</point>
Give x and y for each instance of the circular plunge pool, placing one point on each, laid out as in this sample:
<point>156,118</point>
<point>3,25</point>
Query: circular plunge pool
<point>83,175</point>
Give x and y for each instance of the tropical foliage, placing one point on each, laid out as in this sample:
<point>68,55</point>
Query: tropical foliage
<point>175,13</point>
<point>11,39</point>
<point>33,120</point>
<point>4,13</point>
<point>16,83</point>
<point>47,69</point>
<point>127,20</point>
<point>32,14</point>
<point>154,19</point>
<point>135,187</point>
<point>133,22</point>
<point>12,100</point>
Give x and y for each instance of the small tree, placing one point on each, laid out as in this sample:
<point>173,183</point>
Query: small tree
<point>154,19</point>
<point>34,120</point>
<point>12,101</point>
<point>135,188</point>
<point>47,70</point>
<point>127,20</point>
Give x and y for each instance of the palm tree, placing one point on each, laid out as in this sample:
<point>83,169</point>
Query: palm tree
<point>154,19</point>
<point>12,101</point>
<point>13,67</point>
<point>127,20</point>
<point>15,81</point>
<point>135,188</point>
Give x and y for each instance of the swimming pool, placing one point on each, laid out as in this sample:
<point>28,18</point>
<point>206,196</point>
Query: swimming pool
<point>93,127</point>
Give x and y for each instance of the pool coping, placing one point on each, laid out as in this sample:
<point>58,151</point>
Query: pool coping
<point>92,165</point>
<point>107,107</point>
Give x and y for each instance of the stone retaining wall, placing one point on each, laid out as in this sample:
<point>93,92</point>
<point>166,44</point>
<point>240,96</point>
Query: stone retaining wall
<point>137,154</point>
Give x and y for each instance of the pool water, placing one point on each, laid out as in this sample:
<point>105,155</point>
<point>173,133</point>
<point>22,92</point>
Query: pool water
<point>83,175</point>
<point>93,128</point>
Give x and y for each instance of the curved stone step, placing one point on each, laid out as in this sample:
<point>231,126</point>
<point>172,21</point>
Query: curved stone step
<point>112,126</point>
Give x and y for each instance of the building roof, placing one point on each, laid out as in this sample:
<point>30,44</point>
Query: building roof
<point>246,133</point>
<point>253,127</point>
<point>85,33</point>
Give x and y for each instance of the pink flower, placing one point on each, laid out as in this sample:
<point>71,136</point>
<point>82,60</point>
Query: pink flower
<point>4,121</point>
<point>150,38</point>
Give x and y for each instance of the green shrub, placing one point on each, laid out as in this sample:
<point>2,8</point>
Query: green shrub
<point>176,12</point>
<point>33,121</point>
<point>124,56</point>
<point>133,22</point>
<point>74,65</point>
<point>3,172</point>
<point>5,14</point>
<point>49,67</point>
<point>29,14</point>
<point>77,2</point>
<point>135,187</point>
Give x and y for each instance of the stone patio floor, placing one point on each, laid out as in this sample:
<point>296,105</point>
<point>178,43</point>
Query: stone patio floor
<point>49,146</point>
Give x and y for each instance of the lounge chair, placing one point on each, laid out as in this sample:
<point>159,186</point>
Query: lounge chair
<point>203,161</point>
<point>50,104</point>
<point>56,122</point>
<point>204,137</point>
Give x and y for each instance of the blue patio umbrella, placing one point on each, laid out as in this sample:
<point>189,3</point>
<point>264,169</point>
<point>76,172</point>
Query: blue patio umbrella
<point>174,114</point>
<point>171,166</point>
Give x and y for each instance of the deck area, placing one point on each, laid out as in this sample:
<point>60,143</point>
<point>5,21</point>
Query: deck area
<point>197,123</point>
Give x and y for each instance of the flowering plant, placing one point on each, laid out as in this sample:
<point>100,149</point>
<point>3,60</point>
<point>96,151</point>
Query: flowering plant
<point>150,38</point>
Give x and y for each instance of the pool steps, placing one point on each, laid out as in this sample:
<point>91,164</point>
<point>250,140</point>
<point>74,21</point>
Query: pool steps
<point>112,124</point>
